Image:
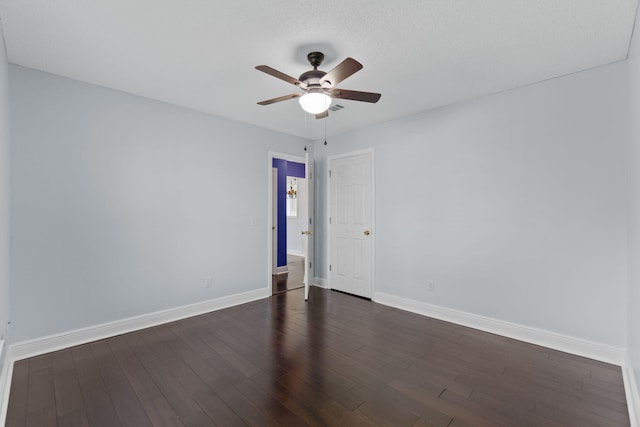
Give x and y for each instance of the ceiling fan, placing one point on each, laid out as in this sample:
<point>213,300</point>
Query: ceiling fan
<point>319,87</point>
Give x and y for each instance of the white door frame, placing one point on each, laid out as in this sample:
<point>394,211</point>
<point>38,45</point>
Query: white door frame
<point>283,156</point>
<point>373,213</point>
<point>309,250</point>
<point>274,224</point>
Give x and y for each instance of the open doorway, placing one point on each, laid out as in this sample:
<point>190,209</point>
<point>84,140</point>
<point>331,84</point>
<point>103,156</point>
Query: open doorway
<point>289,216</point>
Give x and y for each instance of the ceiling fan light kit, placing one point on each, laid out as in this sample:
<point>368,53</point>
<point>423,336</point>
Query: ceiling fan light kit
<point>315,102</point>
<point>318,86</point>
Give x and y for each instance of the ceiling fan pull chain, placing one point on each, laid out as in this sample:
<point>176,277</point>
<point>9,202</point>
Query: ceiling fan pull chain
<point>325,131</point>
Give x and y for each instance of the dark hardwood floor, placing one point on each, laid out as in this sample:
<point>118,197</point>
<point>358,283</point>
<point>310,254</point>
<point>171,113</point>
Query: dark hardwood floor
<point>334,361</point>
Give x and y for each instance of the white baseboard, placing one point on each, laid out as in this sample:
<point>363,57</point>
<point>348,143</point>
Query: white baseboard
<point>6,372</point>
<point>320,282</point>
<point>631,391</point>
<point>281,270</point>
<point>24,349</point>
<point>35,347</point>
<point>609,354</point>
<point>556,341</point>
<point>568,344</point>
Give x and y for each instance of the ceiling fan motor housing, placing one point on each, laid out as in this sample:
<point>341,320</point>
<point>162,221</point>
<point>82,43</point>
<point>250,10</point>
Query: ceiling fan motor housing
<point>312,78</point>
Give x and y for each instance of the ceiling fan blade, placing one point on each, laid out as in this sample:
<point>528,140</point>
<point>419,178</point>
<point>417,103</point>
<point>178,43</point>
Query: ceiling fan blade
<point>322,115</point>
<point>278,74</point>
<point>341,71</point>
<point>278,99</point>
<point>354,95</point>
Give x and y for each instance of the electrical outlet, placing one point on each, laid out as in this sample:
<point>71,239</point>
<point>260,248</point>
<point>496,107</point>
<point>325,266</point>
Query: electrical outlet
<point>208,282</point>
<point>431,286</point>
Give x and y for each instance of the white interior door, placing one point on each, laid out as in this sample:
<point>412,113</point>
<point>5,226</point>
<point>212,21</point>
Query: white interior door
<point>308,244</point>
<point>351,224</point>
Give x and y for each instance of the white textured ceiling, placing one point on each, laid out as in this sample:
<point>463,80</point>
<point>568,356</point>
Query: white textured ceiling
<point>420,54</point>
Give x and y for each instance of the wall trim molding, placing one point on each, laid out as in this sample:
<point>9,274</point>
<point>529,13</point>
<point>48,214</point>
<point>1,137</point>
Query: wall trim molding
<point>566,343</point>
<point>321,283</point>
<point>5,380</point>
<point>5,386</point>
<point>47,344</point>
<point>604,353</point>
<point>631,391</point>
<point>281,269</point>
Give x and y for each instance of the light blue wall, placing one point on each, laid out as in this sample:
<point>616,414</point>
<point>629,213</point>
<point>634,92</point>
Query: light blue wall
<point>513,204</point>
<point>123,205</point>
<point>4,191</point>
<point>634,203</point>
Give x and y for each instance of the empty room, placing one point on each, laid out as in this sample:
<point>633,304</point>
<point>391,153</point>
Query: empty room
<point>363,213</point>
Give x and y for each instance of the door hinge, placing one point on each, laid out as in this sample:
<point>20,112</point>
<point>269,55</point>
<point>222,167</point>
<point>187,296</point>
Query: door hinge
<point>329,267</point>
<point>329,174</point>
<point>309,221</point>
<point>310,264</point>
<point>329,220</point>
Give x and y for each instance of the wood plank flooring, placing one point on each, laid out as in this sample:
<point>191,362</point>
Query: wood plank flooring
<point>336,361</point>
<point>293,279</point>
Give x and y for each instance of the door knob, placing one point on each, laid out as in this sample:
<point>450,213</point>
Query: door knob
<point>367,232</point>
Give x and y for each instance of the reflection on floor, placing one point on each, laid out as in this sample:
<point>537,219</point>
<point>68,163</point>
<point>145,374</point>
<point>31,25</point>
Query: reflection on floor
<point>291,280</point>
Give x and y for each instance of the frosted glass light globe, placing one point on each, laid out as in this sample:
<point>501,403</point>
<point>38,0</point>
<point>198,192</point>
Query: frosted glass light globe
<point>315,102</point>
